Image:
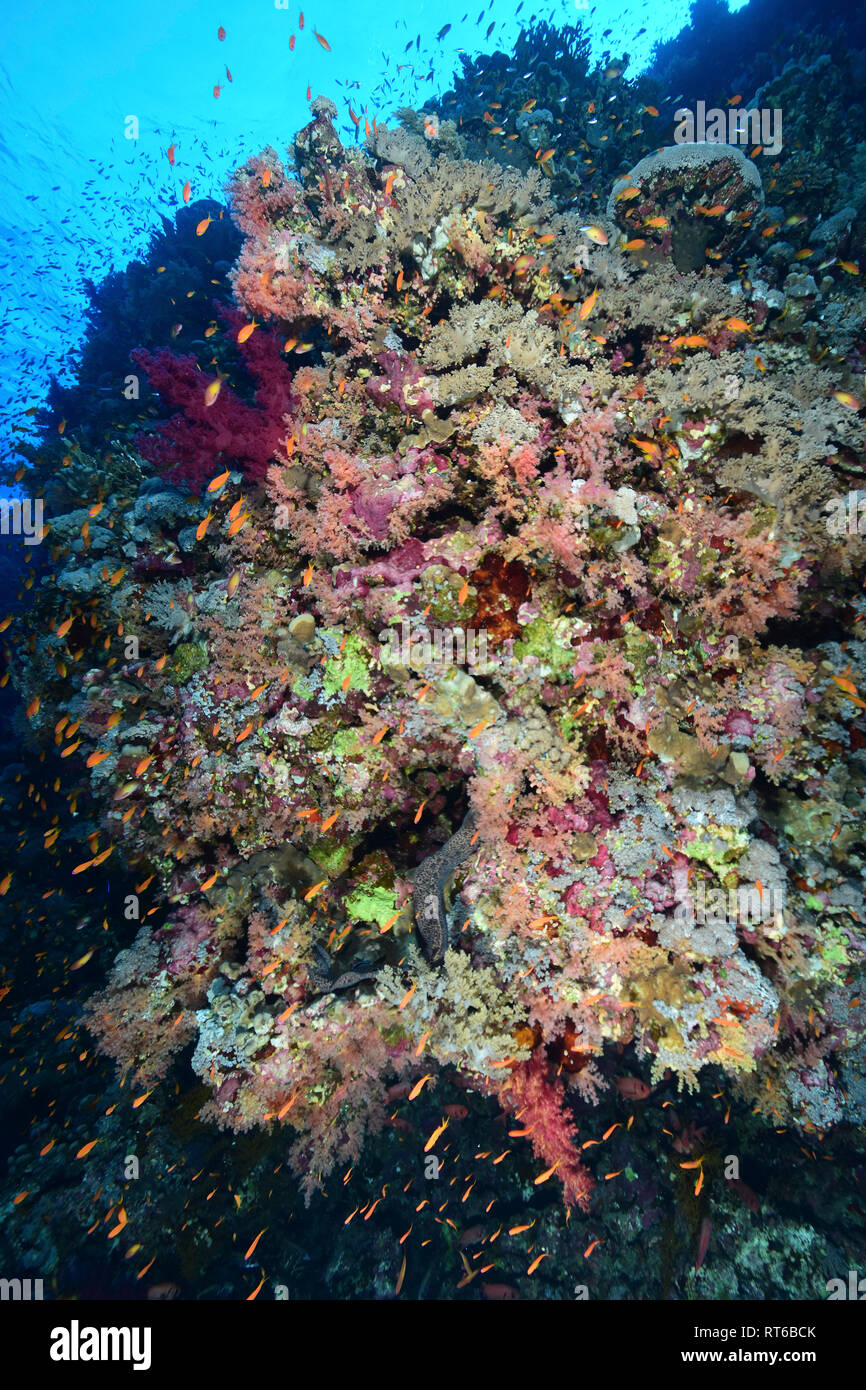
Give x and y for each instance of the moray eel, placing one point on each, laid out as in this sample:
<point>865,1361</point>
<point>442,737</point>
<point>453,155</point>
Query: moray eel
<point>431,918</point>
<point>321,975</point>
<point>428,896</point>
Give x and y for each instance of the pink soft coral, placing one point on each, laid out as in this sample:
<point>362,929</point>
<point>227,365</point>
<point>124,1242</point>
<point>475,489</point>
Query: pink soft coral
<point>547,1123</point>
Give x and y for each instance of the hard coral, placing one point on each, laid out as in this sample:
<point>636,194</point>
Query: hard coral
<point>689,199</point>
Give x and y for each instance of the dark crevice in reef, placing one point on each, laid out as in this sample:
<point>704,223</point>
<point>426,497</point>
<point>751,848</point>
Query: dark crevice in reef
<point>805,632</point>
<point>441,522</point>
<point>735,445</point>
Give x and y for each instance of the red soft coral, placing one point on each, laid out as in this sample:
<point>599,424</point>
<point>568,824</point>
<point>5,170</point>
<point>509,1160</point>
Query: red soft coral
<point>205,439</point>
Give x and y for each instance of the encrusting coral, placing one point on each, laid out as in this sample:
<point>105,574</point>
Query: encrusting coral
<point>470,416</point>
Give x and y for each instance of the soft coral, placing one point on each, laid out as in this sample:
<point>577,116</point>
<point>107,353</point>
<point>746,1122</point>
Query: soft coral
<point>201,439</point>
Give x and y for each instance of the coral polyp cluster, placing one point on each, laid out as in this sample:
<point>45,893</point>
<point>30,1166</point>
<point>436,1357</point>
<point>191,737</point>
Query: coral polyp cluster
<point>519,533</point>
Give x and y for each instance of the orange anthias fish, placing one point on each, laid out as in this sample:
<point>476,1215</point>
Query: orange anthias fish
<point>587,306</point>
<point>848,686</point>
<point>440,1129</point>
<point>647,447</point>
<point>255,1243</point>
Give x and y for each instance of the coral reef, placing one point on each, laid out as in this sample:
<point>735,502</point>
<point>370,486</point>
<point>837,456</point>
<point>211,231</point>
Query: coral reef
<point>611,464</point>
